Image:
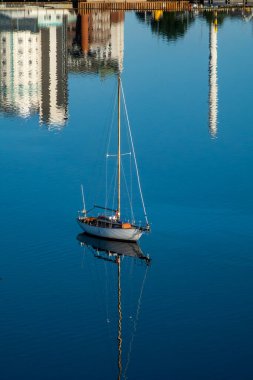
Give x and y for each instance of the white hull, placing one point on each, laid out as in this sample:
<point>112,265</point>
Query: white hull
<point>130,234</point>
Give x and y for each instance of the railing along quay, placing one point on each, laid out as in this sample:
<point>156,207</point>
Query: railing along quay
<point>26,4</point>
<point>225,8</point>
<point>84,7</point>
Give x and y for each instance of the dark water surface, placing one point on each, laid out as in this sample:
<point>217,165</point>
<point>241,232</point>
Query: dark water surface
<point>189,88</point>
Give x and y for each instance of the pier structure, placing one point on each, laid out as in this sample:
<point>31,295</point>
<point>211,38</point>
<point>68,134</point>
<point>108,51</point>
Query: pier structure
<point>168,6</point>
<point>125,5</point>
<point>227,3</point>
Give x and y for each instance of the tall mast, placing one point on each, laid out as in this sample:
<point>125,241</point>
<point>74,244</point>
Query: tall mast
<point>119,153</point>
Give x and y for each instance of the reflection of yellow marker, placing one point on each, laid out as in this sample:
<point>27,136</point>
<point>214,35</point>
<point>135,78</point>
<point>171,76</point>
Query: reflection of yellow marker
<point>215,25</point>
<point>158,15</point>
<point>215,22</point>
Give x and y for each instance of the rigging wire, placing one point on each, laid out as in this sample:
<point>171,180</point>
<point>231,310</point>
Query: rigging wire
<point>106,181</point>
<point>106,131</point>
<point>113,179</point>
<point>83,255</point>
<point>108,147</point>
<point>107,293</point>
<point>109,135</point>
<point>115,185</point>
<point>111,125</point>
<point>135,161</point>
<point>131,183</point>
<point>130,161</point>
<point>119,323</point>
<point>127,191</point>
<point>135,324</point>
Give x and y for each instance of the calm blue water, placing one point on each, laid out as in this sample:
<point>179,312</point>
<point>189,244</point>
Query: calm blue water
<point>188,86</point>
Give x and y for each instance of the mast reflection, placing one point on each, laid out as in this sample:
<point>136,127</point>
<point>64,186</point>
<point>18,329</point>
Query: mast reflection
<point>114,252</point>
<point>213,83</point>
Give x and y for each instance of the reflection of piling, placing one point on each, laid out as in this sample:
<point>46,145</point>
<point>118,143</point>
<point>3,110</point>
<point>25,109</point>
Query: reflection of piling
<point>117,17</point>
<point>85,33</point>
<point>213,86</point>
<point>100,38</point>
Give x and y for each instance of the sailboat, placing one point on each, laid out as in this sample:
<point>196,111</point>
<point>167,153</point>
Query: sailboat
<point>114,226</point>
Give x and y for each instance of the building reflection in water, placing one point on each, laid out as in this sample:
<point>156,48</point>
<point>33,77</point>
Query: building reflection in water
<point>213,84</point>
<point>116,252</point>
<point>40,46</point>
<point>173,25</point>
<point>98,46</point>
<point>33,65</point>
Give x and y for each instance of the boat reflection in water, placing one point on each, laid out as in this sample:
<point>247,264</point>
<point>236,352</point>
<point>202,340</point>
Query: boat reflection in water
<point>114,252</point>
<point>112,249</point>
